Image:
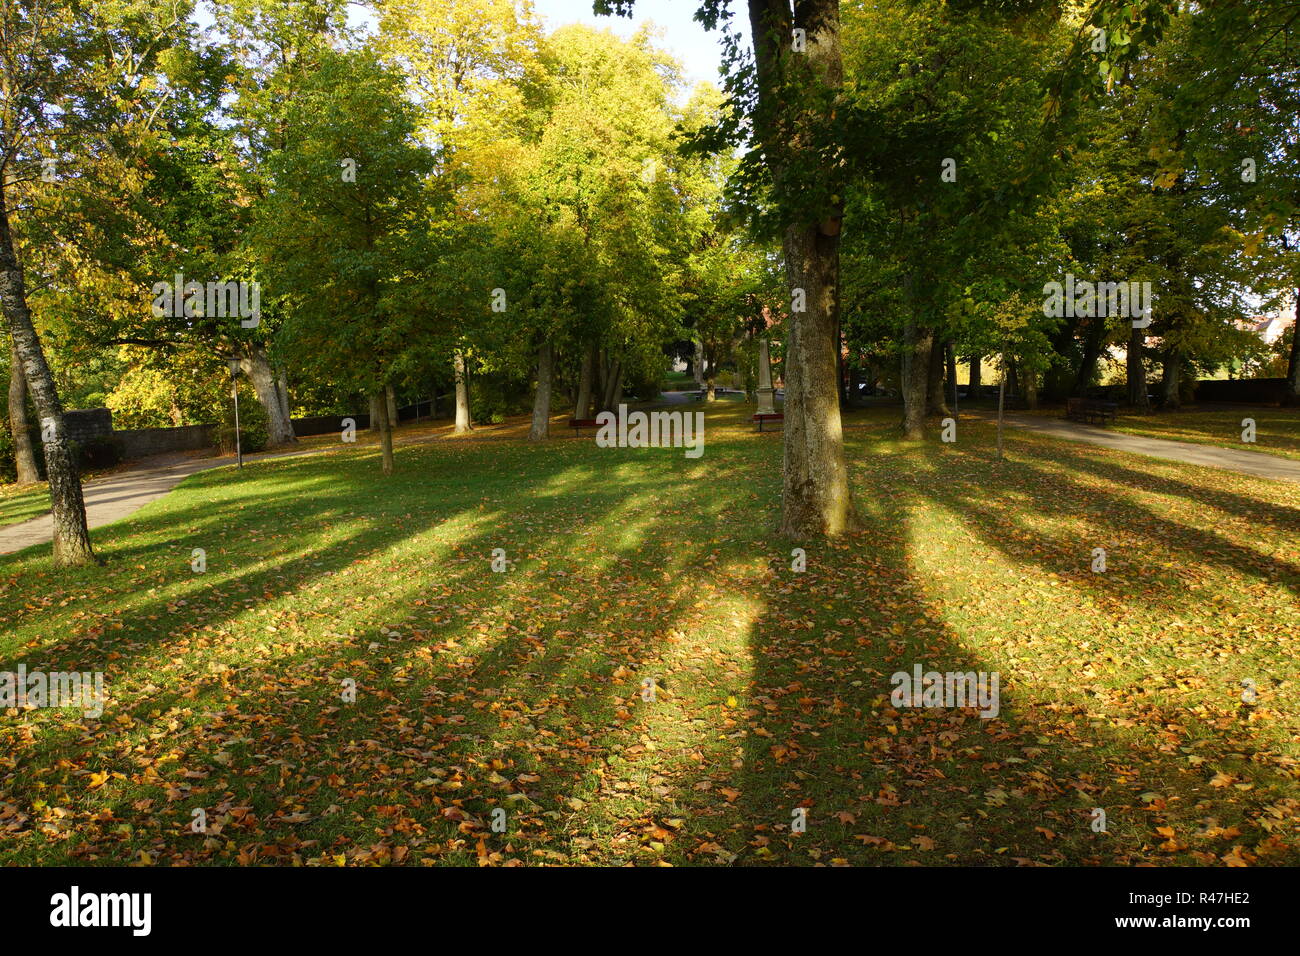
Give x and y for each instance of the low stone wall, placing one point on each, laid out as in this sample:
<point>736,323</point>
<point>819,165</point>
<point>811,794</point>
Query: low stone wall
<point>85,425</point>
<point>1252,391</point>
<point>143,442</point>
<point>324,424</point>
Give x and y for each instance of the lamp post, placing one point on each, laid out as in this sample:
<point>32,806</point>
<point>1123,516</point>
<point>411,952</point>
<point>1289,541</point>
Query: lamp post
<point>234,390</point>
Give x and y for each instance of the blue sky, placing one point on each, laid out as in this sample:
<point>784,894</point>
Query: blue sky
<point>698,49</point>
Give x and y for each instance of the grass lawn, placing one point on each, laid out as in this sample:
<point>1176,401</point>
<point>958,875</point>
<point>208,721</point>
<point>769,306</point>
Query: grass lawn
<point>522,690</point>
<point>22,502</point>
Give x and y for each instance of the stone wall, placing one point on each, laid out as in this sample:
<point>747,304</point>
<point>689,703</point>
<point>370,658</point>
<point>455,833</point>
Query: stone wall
<point>143,442</point>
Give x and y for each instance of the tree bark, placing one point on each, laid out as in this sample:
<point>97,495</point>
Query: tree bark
<point>282,387</point>
<point>1292,394</point>
<point>68,507</point>
<point>582,406</point>
<point>950,353</point>
<point>390,398</point>
<point>935,400</point>
<point>613,391</point>
<point>976,373</point>
<point>279,431</point>
<point>385,432</point>
<point>815,496</point>
<point>917,346</point>
<point>542,402</point>
<point>1135,368</point>
<point>1170,375</point>
<point>24,453</point>
<point>375,401</point>
<point>463,423</point>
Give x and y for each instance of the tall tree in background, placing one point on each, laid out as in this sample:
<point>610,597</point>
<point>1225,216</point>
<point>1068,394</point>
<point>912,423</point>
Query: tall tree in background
<point>43,50</point>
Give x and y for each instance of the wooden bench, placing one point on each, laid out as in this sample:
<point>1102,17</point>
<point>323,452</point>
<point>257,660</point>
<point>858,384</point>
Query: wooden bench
<point>771,417</point>
<point>578,424</point>
<point>1090,410</point>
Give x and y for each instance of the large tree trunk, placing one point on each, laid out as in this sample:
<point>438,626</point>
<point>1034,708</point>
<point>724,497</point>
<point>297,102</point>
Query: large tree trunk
<point>279,430</point>
<point>1170,375</point>
<point>1135,367</point>
<point>582,406</point>
<point>24,453</point>
<point>71,535</point>
<point>917,344</point>
<point>282,386</point>
<point>697,366</point>
<point>815,495</point>
<point>950,353</point>
<point>1292,394</point>
<point>385,432</point>
<point>542,402</point>
<point>935,400</point>
<point>463,423</point>
<point>613,390</point>
<point>976,372</point>
<point>375,401</point>
<point>1094,336</point>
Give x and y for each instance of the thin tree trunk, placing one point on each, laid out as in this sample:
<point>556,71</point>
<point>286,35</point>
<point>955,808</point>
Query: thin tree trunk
<point>1136,370</point>
<point>385,432</point>
<point>1092,342</point>
<point>1029,383</point>
<point>1292,395</point>
<point>463,423</point>
<point>279,431</point>
<point>976,373</point>
<point>24,453</point>
<point>613,391</point>
<point>542,402</point>
<point>68,507</point>
<point>582,406</point>
<point>1002,395</point>
<point>390,397</point>
<point>951,353</point>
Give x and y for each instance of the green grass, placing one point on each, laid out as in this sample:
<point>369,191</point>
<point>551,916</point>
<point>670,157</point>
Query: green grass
<point>522,690</point>
<point>20,503</point>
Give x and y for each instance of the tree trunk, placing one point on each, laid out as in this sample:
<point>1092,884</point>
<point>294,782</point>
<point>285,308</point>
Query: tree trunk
<point>542,401</point>
<point>1092,342</point>
<point>385,432</point>
<point>1136,370</point>
<point>950,353</point>
<point>279,431</point>
<point>582,406</point>
<point>697,367</point>
<point>935,403</point>
<point>1292,394</point>
<point>976,373</point>
<point>1030,385</point>
<point>613,391</point>
<point>375,402</point>
<point>815,495</point>
<point>282,387</point>
<point>917,345</point>
<point>463,423</point>
<point>24,453</point>
<point>1002,399</point>
<point>71,535</point>
<point>1170,374</point>
<point>390,397</point>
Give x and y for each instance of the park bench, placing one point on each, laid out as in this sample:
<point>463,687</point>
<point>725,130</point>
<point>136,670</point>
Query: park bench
<point>578,424</point>
<point>1090,410</point>
<point>770,417</point>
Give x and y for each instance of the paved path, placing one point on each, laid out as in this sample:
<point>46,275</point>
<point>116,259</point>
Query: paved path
<point>1255,463</point>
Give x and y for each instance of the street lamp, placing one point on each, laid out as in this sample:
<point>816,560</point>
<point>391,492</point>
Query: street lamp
<point>234,389</point>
